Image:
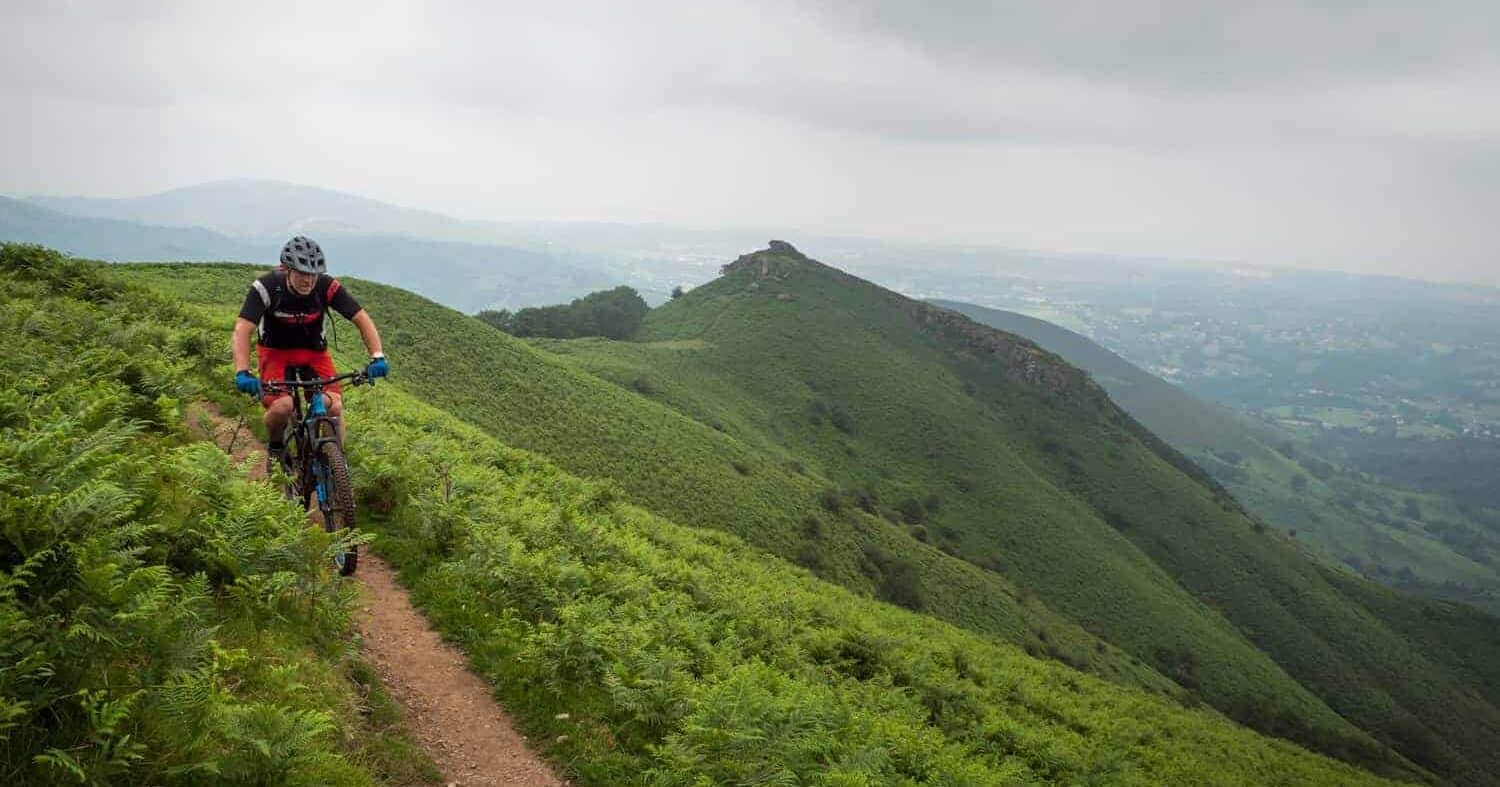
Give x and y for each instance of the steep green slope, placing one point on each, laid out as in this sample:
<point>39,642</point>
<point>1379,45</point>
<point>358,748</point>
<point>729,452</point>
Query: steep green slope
<point>162,621</point>
<point>1038,476</point>
<point>747,409</point>
<point>642,652</point>
<point>639,651</point>
<point>675,465</point>
<point>1350,518</point>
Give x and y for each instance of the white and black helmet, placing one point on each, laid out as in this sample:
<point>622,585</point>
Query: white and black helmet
<point>303,254</point>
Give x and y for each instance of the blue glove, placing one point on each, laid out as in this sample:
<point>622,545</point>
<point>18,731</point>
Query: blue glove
<point>378,368</point>
<point>247,383</point>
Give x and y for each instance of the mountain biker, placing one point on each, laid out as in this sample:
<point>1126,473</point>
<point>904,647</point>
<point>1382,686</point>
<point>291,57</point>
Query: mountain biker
<point>286,308</point>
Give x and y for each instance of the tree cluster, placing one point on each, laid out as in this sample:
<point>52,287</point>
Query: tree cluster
<point>613,314</point>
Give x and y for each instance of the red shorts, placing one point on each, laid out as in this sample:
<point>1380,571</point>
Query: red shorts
<point>274,360</point>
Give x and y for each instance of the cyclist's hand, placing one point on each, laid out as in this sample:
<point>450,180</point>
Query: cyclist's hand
<point>378,367</point>
<point>247,384</point>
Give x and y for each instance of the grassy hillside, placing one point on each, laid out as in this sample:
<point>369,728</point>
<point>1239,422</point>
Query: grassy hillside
<point>1432,546</point>
<point>635,650</point>
<point>160,621</point>
<point>1037,476</point>
<point>959,472</point>
<point>675,465</point>
<point>642,652</point>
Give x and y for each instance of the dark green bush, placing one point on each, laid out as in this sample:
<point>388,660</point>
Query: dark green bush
<point>613,314</point>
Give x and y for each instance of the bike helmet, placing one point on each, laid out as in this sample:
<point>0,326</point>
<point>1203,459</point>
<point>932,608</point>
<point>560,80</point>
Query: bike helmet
<point>303,254</point>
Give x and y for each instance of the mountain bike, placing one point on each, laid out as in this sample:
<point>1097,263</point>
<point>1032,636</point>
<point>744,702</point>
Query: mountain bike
<point>313,457</point>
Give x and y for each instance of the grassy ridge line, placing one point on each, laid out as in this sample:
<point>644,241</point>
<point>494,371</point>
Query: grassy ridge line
<point>928,417</point>
<point>162,620</point>
<point>648,653</point>
<point>1440,706</point>
<point>926,399</point>
<point>663,460</point>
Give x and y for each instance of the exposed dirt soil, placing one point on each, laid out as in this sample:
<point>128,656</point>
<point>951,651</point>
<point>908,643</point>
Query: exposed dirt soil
<point>449,710</point>
<point>205,421</point>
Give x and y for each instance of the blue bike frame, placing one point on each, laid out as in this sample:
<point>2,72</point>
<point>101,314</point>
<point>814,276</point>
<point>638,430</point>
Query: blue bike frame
<point>317,411</point>
<point>312,422</point>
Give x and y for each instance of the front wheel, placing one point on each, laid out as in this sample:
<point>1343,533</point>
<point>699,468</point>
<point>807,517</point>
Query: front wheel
<point>336,500</point>
<point>292,463</point>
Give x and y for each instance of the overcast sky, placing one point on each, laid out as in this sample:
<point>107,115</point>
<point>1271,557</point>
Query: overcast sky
<point>1361,136</point>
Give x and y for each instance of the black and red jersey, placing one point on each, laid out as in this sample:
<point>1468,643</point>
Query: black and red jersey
<point>287,320</point>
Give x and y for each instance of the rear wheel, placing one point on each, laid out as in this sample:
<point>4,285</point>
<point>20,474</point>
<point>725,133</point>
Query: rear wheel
<point>336,499</point>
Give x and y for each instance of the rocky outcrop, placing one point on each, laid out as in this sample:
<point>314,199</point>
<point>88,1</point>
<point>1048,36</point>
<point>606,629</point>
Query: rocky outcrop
<point>766,261</point>
<point>1023,361</point>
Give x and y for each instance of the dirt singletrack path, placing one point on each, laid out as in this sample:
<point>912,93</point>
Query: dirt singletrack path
<point>450,710</point>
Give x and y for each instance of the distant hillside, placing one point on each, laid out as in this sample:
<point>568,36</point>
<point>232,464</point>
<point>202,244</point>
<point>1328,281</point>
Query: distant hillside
<point>268,210</point>
<point>466,276</point>
<point>1450,551</point>
<point>116,240</point>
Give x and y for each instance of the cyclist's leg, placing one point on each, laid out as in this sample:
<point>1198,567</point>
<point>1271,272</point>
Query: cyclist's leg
<point>335,402</point>
<point>278,412</point>
<point>273,364</point>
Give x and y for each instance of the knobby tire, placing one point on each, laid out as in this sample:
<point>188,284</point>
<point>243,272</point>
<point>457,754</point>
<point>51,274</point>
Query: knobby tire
<point>340,513</point>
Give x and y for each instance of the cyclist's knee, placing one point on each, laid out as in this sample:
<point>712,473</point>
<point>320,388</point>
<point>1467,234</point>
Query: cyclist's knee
<point>335,404</point>
<point>278,411</point>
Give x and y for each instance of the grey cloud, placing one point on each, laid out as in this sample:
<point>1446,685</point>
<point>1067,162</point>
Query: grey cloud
<point>1271,132</point>
<point>1186,43</point>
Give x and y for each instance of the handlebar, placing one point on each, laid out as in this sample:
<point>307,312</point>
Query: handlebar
<point>285,386</point>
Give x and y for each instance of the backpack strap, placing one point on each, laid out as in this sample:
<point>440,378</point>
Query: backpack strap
<point>260,289</point>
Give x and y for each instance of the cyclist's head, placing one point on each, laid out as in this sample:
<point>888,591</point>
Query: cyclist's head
<point>303,260</point>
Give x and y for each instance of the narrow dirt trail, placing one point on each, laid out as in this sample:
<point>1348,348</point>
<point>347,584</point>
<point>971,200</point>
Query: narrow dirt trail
<point>450,710</point>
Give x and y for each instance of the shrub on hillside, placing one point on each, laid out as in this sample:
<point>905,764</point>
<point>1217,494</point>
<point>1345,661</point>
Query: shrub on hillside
<point>902,585</point>
<point>613,314</point>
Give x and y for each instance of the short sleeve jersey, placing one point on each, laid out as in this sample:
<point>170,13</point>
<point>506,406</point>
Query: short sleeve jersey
<point>286,320</point>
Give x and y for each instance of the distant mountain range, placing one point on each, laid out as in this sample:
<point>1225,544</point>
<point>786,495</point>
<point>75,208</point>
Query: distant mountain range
<point>268,210</point>
<point>117,240</point>
<point>247,221</point>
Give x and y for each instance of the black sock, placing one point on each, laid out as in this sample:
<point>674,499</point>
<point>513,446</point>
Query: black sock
<point>275,448</point>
